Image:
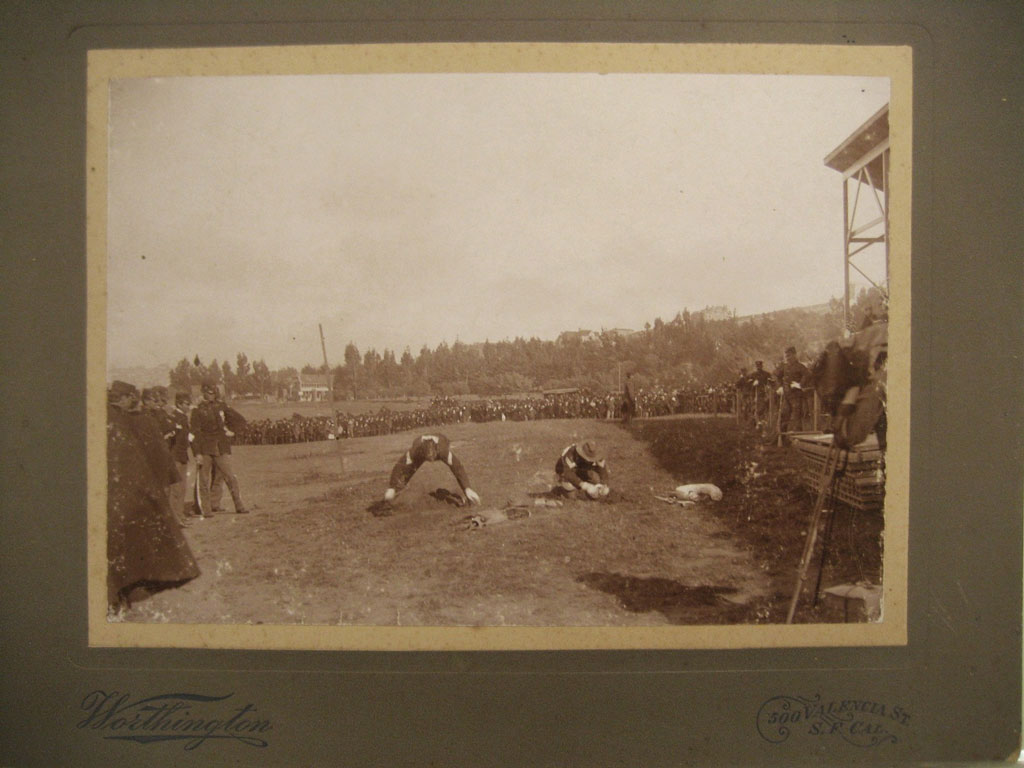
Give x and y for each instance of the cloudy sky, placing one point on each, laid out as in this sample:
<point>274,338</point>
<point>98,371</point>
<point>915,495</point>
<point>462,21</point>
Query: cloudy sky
<point>402,210</point>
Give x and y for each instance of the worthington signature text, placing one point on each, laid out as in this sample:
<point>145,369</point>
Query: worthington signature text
<point>187,717</point>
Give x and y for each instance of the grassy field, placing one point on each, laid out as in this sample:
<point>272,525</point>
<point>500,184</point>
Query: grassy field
<point>312,552</point>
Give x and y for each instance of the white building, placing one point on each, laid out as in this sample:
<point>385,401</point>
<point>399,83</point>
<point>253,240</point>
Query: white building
<point>313,387</point>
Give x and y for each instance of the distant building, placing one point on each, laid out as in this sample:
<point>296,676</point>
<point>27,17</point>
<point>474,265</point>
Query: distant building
<point>620,333</point>
<point>720,312</point>
<point>582,335</point>
<point>312,387</point>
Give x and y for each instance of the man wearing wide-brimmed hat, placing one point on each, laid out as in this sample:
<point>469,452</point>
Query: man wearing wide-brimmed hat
<point>582,466</point>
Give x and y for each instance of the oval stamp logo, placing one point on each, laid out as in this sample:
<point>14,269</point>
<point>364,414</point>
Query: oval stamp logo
<point>860,722</point>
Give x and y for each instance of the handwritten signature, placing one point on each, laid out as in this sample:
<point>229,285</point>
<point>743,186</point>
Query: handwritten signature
<point>186,717</point>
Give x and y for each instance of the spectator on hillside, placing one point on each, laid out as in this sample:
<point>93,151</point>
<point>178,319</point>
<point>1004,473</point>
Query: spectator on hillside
<point>743,394</point>
<point>760,384</point>
<point>425,448</point>
<point>628,399</point>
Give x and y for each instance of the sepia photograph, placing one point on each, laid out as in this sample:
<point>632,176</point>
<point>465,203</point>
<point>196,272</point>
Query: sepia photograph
<point>511,383</point>
<point>587,350</point>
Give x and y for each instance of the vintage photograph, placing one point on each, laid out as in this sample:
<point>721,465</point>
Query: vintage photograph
<point>580,349</point>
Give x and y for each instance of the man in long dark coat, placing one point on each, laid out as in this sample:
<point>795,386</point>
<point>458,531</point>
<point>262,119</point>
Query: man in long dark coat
<point>146,550</point>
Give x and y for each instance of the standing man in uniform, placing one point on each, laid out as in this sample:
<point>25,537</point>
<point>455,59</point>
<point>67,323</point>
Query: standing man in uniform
<point>791,376</point>
<point>180,451</point>
<point>208,426</point>
<point>428,448</point>
<point>628,399</point>
<point>154,412</point>
<point>760,381</point>
<point>234,423</point>
<point>154,405</point>
<point>743,392</point>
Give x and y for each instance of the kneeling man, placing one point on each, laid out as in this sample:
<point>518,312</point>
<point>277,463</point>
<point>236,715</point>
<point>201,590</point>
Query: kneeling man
<point>582,466</point>
<point>428,448</point>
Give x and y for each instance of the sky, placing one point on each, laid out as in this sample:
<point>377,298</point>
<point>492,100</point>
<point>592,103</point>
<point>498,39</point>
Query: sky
<point>398,210</point>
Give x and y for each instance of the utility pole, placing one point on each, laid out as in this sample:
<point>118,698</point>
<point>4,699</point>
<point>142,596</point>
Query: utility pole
<point>327,368</point>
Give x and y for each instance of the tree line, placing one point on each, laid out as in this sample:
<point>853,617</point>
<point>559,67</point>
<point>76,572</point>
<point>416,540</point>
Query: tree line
<point>688,350</point>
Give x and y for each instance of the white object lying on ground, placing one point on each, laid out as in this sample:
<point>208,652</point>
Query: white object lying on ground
<point>674,500</point>
<point>697,491</point>
<point>492,516</point>
<point>871,594</point>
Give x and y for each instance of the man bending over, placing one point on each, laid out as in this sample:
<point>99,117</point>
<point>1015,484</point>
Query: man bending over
<point>428,448</point>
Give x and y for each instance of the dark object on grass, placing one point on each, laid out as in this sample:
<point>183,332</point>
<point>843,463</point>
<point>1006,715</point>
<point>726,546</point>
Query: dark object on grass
<point>380,509</point>
<point>443,494</point>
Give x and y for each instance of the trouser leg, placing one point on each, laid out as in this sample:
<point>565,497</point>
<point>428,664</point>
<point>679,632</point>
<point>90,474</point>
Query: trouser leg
<point>190,493</point>
<point>797,417</point>
<point>403,470</point>
<point>216,488</point>
<point>177,492</point>
<point>226,470</point>
<point>205,476</point>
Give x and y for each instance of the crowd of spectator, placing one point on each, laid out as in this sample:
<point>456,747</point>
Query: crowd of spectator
<point>568,404</point>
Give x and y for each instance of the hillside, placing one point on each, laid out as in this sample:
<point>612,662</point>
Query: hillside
<point>687,351</point>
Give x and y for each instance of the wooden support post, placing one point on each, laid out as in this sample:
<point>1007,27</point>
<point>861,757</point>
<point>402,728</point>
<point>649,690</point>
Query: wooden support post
<point>825,480</point>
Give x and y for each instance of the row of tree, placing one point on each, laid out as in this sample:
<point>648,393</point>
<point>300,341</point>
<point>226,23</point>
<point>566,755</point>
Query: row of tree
<point>244,379</point>
<point>689,350</point>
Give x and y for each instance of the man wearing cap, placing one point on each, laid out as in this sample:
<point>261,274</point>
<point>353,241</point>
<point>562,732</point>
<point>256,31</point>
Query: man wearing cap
<point>154,404</point>
<point>791,376</point>
<point>234,423</point>
<point>122,396</point>
<point>425,448</point>
<point>207,425</point>
<point>582,467</point>
<point>154,407</point>
<point>760,381</point>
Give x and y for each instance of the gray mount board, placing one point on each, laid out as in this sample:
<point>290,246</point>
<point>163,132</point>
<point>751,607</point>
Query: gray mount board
<point>951,694</point>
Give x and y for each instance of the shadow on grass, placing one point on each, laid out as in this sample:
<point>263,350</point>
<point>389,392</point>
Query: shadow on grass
<point>679,603</point>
